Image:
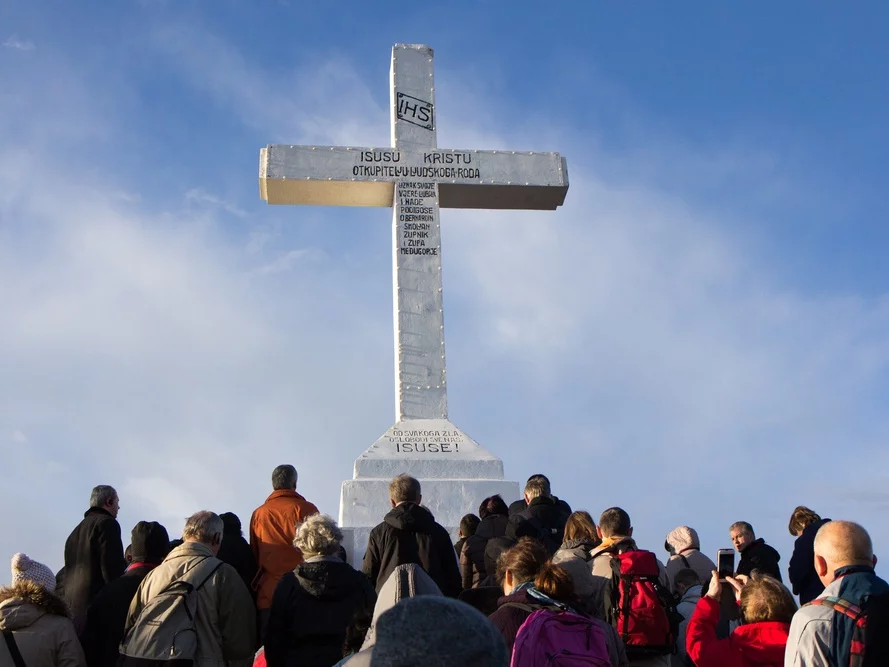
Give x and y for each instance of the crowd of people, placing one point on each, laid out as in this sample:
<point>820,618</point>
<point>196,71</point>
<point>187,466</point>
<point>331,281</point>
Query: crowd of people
<point>530,583</point>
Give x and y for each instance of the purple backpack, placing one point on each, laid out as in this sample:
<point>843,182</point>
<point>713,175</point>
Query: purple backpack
<point>560,639</point>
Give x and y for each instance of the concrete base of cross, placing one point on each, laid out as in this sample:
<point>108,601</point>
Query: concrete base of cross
<point>455,472</point>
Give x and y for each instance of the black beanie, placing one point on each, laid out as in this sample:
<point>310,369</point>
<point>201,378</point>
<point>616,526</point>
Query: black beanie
<point>150,542</point>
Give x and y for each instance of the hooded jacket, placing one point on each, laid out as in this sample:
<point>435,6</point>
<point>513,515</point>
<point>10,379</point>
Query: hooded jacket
<point>754,645</point>
<point>41,627</point>
<point>225,622</point>
<point>684,547</point>
<point>272,529</point>
<point>435,632</point>
<point>409,534</point>
<point>574,557</point>
<point>802,573</point>
<point>472,559</point>
<point>406,581</point>
<point>543,519</point>
<point>93,558</point>
<point>311,609</point>
<point>760,556</point>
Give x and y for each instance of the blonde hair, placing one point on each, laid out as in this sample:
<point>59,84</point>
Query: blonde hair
<point>765,598</point>
<point>318,536</point>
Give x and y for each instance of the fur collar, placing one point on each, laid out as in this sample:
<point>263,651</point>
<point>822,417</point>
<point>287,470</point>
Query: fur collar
<point>36,595</point>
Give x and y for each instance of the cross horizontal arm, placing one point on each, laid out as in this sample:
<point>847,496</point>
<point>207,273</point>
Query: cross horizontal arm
<point>353,176</point>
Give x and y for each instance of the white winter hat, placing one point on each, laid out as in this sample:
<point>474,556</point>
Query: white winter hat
<point>25,569</point>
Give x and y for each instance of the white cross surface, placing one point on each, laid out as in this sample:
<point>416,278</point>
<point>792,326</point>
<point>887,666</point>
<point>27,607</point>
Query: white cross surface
<point>416,178</point>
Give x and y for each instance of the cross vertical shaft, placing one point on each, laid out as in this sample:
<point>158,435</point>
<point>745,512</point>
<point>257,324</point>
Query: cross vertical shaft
<point>420,375</point>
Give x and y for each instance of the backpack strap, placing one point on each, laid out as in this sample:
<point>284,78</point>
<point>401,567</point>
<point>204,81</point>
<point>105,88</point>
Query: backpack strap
<point>13,649</point>
<point>859,623</point>
<point>210,574</point>
<point>840,606</point>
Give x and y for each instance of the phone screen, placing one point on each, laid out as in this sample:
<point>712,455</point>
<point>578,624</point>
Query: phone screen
<point>725,563</point>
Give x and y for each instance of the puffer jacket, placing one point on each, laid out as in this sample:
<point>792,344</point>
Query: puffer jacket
<point>574,557</point>
<point>41,627</point>
<point>409,534</point>
<point>754,645</point>
<point>311,610</point>
<point>472,559</point>
<point>225,621</point>
<point>684,547</point>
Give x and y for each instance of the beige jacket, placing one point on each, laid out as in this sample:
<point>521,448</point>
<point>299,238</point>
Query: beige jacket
<point>225,620</point>
<point>42,629</point>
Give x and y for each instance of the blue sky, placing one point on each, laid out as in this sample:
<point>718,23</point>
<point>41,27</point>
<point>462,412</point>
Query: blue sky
<point>700,335</point>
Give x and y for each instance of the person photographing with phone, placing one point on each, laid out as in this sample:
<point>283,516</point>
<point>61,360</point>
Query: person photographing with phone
<point>766,610</point>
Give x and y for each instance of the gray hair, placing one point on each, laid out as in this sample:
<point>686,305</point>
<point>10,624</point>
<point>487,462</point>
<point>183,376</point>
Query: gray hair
<point>102,495</point>
<point>742,527</point>
<point>202,527</point>
<point>404,488</point>
<point>318,536</point>
<point>284,477</point>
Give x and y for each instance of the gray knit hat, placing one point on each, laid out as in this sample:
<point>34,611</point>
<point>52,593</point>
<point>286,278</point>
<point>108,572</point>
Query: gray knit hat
<point>431,631</point>
<point>25,569</point>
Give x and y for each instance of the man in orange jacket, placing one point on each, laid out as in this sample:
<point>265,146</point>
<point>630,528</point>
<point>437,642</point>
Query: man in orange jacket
<point>272,529</point>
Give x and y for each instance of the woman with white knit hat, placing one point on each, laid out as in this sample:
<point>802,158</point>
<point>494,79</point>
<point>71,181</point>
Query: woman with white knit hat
<point>37,630</point>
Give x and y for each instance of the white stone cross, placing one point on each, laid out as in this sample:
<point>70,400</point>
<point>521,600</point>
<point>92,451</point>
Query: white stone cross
<point>416,178</point>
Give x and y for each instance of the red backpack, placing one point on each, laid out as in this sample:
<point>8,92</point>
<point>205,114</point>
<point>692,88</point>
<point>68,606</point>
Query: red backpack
<point>641,610</point>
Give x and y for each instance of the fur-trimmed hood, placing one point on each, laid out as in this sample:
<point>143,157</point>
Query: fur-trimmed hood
<point>21,605</point>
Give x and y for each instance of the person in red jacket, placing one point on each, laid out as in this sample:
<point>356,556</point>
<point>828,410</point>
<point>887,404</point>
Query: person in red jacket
<point>766,609</point>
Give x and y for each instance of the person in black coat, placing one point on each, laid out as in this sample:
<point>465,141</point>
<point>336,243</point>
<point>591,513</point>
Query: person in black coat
<point>235,551</point>
<point>468,525</point>
<point>542,519</point>
<point>755,553</point>
<point>409,534</point>
<point>314,605</point>
<point>107,614</point>
<point>93,553</point>
<point>522,504</point>
<point>493,512</point>
<point>804,525</point>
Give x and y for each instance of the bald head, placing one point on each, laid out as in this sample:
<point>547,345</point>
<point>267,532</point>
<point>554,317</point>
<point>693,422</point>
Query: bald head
<point>840,544</point>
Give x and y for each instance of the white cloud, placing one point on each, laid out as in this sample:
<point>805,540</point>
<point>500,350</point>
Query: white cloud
<point>14,42</point>
<point>628,344</point>
<point>200,197</point>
